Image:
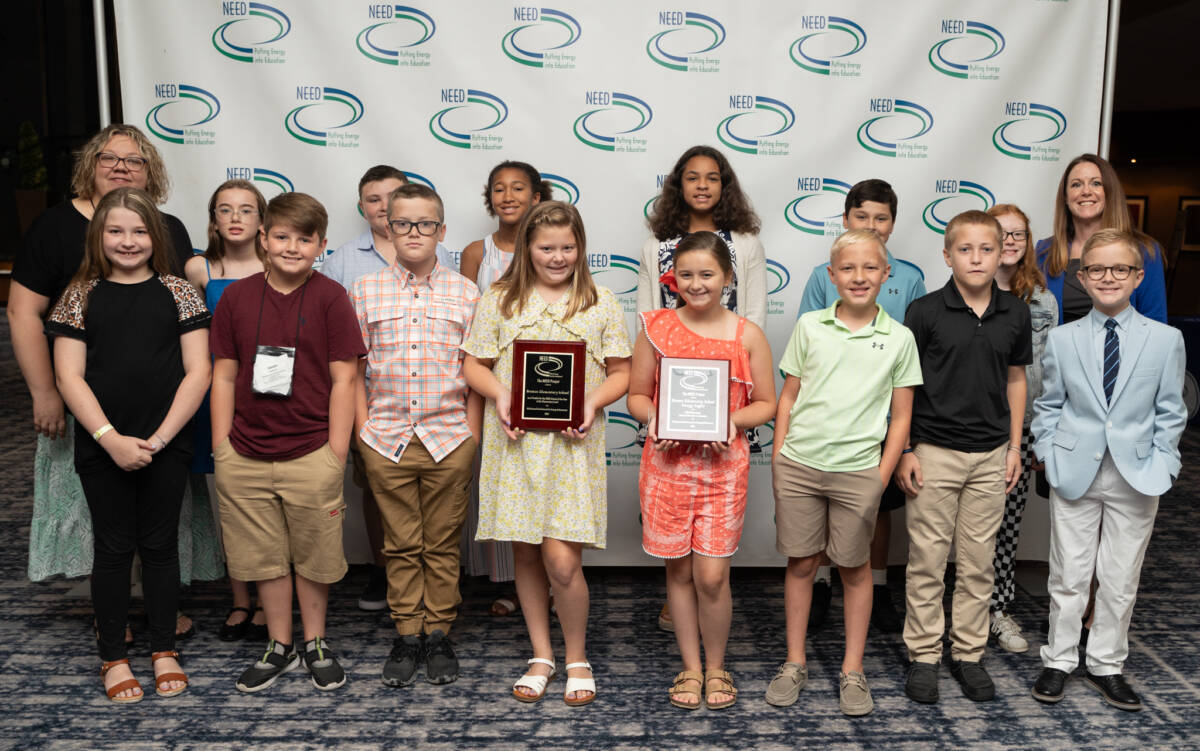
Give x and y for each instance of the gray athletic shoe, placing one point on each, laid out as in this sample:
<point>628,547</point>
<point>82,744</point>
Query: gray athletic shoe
<point>277,660</point>
<point>785,686</point>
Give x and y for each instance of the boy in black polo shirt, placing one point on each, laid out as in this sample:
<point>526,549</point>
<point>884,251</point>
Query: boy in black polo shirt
<point>964,453</point>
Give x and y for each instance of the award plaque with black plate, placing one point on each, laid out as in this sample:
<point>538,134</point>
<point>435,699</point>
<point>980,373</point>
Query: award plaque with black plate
<point>547,384</point>
<point>693,400</point>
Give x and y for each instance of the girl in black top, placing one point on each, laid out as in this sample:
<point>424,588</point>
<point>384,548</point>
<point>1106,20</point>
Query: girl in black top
<point>131,362</point>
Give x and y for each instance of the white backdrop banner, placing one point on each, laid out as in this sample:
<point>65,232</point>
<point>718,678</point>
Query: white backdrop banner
<point>959,104</point>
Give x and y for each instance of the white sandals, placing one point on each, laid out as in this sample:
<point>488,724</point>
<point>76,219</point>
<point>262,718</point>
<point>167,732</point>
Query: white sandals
<point>537,683</point>
<point>579,684</point>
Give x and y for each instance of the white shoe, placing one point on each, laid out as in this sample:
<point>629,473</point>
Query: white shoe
<point>1008,633</point>
<point>579,684</point>
<point>536,683</point>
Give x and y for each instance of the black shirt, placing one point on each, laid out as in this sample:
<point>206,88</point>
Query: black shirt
<point>53,250</point>
<point>1076,302</point>
<point>963,404</point>
<point>134,358</point>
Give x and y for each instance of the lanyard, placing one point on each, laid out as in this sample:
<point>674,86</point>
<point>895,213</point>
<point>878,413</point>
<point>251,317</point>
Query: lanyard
<point>299,311</point>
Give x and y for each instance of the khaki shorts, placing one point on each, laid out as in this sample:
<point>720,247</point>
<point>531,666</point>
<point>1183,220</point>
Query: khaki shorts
<point>832,511</point>
<point>278,513</point>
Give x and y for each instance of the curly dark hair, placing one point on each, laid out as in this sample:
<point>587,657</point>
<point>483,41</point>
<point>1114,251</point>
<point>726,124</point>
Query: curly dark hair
<point>733,213</point>
<point>539,187</point>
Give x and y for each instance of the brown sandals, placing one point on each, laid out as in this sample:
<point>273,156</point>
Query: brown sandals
<point>681,689</point>
<point>125,685</point>
<point>725,686</point>
<point>160,680</point>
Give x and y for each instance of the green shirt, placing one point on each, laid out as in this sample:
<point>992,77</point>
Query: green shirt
<point>846,380</point>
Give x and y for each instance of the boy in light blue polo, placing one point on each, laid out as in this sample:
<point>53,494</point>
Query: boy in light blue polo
<point>870,204</point>
<point>370,252</point>
<point>846,367</point>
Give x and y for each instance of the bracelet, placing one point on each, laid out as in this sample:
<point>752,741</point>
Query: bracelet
<point>101,431</point>
<point>1015,448</point>
<point>906,451</point>
<point>161,443</point>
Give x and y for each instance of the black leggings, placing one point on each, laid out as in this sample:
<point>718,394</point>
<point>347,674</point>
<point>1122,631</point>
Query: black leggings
<point>136,511</point>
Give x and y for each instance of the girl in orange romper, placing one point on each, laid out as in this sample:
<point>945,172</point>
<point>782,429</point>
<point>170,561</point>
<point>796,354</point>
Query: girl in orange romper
<point>693,495</point>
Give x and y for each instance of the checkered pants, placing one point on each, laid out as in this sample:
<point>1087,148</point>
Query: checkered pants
<point>1005,560</point>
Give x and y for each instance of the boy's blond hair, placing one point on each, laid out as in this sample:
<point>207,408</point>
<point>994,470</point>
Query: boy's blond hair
<point>854,237</point>
<point>976,218</point>
<point>1107,237</point>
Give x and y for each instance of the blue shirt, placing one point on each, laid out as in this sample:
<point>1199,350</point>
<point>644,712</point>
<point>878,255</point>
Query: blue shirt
<point>359,258</point>
<point>1099,333</point>
<point>904,284</point>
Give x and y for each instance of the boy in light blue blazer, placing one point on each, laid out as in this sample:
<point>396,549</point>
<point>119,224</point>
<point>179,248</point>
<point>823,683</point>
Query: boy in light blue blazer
<point>1107,426</point>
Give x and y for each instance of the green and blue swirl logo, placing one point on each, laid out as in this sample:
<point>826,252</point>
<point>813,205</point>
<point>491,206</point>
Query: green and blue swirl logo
<point>565,189</point>
<point>964,52</point>
<point>464,124</point>
<point>956,197</point>
<point>1030,132</point>
<point>416,177</point>
<point>538,42</point>
<point>274,182</point>
<point>755,125</point>
<point>687,42</point>
<point>618,273</point>
<point>305,123</point>
<point>396,31</point>
<point>179,118</point>
<point>249,36</point>
<point>621,438</point>
<point>819,208</point>
<point>893,132</point>
<point>779,277</point>
<point>831,39</point>
<point>611,125</point>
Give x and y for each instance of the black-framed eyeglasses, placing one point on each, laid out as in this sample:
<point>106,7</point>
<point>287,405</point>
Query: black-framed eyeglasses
<point>132,163</point>
<point>403,227</point>
<point>1120,271</point>
<point>1018,235</point>
<point>245,212</point>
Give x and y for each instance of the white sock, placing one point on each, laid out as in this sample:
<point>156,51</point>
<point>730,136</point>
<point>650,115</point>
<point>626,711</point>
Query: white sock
<point>879,577</point>
<point>823,574</point>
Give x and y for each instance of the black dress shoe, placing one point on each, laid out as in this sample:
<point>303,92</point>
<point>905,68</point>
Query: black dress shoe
<point>975,682</point>
<point>922,683</point>
<point>1115,691</point>
<point>1049,686</point>
<point>818,613</point>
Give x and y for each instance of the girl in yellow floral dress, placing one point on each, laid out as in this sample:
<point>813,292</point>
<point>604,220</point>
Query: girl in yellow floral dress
<point>546,491</point>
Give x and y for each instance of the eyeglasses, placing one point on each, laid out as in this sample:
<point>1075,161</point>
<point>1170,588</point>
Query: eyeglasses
<point>132,163</point>
<point>1018,235</point>
<point>1120,271</point>
<point>403,226</point>
<point>245,212</point>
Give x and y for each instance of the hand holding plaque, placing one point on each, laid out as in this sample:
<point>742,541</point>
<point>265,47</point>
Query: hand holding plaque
<point>547,384</point>
<point>693,400</point>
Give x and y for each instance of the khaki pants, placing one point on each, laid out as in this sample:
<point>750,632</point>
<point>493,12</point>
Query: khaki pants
<point>422,504</point>
<point>961,501</point>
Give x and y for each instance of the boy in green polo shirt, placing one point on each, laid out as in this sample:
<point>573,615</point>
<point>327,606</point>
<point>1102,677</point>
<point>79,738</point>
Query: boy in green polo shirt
<point>846,366</point>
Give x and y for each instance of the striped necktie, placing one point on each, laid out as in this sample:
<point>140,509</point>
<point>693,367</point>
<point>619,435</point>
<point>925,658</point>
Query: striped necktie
<point>1112,358</point>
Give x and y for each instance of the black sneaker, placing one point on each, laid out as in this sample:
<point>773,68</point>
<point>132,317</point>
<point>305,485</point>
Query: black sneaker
<point>1049,686</point>
<point>975,682</point>
<point>277,660</point>
<point>883,613</point>
<point>401,666</point>
<point>922,683</point>
<point>326,672</point>
<point>818,613</point>
<point>374,596</point>
<point>1115,691</point>
<point>441,665</point>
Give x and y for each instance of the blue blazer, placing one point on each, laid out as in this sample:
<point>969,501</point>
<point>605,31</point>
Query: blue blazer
<point>1149,299</point>
<point>1073,426</point>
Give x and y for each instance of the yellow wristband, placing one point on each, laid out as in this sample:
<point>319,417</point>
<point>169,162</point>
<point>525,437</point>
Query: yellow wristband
<point>102,430</point>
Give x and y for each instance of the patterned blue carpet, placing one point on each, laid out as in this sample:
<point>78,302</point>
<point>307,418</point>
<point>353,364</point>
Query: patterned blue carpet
<point>52,695</point>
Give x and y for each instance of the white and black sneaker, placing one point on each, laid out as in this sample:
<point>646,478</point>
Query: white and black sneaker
<point>326,672</point>
<point>277,660</point>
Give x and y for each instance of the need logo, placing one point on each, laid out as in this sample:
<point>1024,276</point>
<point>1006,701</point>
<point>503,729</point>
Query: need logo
<point>395,35</point>
<point>416,177</point>
<point>955,197</point>
<point>182,110</point>
<point>622,436</point>
<point>1030,132</point>
<point>604,127</point>
<point>564,188</point>
<point>756,124</point>
<point>819,207</point>
<point>325,104</point>
<point>965,49</point>
<point>778,279</point>
<point>466,122</point>
<point>827,45</point>
<point>895,130</point>
<point>271,182</point>
<point>618,273</point>
<point>539,41</point>
<point>687,43</point>
<point>250,36</point>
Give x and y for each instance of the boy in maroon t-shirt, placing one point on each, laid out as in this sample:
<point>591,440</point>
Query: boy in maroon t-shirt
<point>286,345</point>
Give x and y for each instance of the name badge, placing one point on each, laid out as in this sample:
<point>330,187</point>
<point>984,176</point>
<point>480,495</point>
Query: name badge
<point>273,368</point>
